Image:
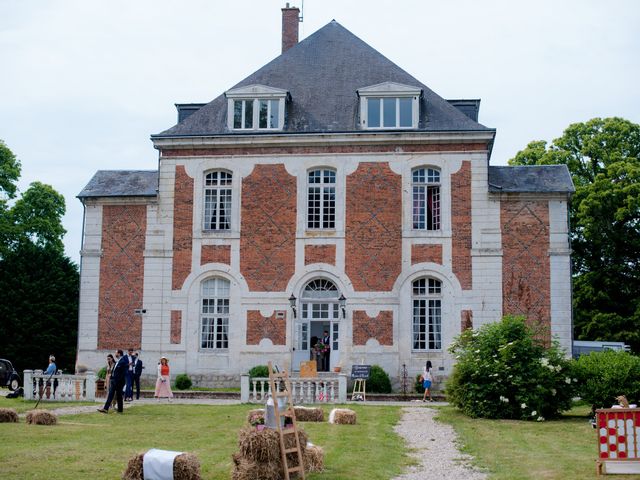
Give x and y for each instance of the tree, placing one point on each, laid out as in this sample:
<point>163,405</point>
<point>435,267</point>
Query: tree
<point>38,284</point>
<point>603,156</point>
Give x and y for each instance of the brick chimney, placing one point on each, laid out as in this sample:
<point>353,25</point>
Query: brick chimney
<point>290,20</point>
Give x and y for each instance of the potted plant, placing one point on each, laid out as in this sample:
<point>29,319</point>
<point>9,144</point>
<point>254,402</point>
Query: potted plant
<point>337,368</point>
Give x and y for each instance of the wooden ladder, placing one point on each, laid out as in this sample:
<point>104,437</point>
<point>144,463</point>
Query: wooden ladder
<point>276,380</point>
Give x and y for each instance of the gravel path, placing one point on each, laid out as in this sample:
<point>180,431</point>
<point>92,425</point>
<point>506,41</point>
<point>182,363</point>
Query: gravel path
<point>434,445</point>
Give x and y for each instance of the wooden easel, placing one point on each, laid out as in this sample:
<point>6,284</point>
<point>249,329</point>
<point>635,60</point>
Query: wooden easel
<point>277,379</point>
<point>359,390</point>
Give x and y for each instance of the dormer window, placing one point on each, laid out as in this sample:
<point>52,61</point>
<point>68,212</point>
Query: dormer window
<point>256,107</point>
<point>389,105</point>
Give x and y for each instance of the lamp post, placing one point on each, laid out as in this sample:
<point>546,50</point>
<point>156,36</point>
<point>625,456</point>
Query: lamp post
<point>292,304</point>
<point>342,301</point>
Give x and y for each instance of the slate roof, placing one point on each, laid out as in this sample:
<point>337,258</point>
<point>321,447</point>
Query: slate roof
<point>122,183</point>
<point>322,74</point>
<point>533,179</point>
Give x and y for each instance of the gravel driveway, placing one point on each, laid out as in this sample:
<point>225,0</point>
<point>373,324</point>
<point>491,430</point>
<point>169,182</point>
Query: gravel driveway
<point>434,445</point>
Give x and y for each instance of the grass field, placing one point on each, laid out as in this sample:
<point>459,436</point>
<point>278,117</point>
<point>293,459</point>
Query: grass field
<point>96,446</point>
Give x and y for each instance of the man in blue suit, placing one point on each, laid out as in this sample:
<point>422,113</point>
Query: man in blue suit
<point>116,384</point>
<point>137,373</point>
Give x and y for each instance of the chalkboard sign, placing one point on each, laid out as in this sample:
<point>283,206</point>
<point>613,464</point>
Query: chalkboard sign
<point>360,371</point>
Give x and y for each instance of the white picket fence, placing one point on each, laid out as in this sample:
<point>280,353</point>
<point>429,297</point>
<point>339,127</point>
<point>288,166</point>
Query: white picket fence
<point>60,387</point>
<point>303,390</point>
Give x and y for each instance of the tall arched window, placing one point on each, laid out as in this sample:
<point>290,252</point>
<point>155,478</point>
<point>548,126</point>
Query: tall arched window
<point>214,318</point>
<point>426,199</point>
<point>427,314</point>
<point>217,200</point>
<point>321,199</point>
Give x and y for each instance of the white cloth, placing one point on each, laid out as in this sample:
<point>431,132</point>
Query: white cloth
<point>158,464</point>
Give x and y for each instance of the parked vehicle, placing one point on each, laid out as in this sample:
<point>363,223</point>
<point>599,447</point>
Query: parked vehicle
<point>9,377</point>
<point>584,347</point>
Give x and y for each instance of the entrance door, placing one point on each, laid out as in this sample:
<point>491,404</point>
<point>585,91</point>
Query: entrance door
<point>316,318</point>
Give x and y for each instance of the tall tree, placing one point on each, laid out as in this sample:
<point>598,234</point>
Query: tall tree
<point>603,156</point>
<point>38,284</point>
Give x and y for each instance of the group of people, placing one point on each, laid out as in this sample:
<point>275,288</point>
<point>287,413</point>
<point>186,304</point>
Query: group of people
<point>321,351</point>
<point>123,374</point>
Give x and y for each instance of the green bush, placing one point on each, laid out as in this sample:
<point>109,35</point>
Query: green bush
<point>183,382</point>
<point>502,371</point>
<point>417,386</point>
<point>259,371</point>
<point>378,381</point>
<point>602,376</point>
<point>102,373</point>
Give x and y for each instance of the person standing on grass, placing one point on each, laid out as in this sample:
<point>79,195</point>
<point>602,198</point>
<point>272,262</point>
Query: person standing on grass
<point>128,389</point>
<point>111,363</point>
<point>427,380</point>
<point>116,383</point>
<point>137,373</point>
<point>163,383</point>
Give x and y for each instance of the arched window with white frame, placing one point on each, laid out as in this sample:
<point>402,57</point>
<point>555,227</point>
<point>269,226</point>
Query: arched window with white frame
<point>214,315</point>
<point>426,198</point>
<point>217,200</point>
<point>427,314</point>
<point>321,199</point>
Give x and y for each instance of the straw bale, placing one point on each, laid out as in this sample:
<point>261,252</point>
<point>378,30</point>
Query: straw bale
<point>186,466</point>
<point>41,417</point>
<point>247,469</point>
<point>255,414</point>
<point>342,416</point>
<point>306,414</point>
<point>313,458</point>
<point>264,445</point>
<point>8,415</point>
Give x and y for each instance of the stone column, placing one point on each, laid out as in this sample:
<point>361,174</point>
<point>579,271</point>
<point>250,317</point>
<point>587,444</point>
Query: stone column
<point>28,384</point>
<point>342,388</point>
<point>244,388</point>
<point>91,386</point>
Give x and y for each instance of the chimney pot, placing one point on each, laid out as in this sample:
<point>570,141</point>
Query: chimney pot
<point>290,21</point>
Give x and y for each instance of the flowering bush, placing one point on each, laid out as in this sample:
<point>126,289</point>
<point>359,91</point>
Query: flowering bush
<point>321,347</point>
<point>502,371</point>
<point>602,376</point>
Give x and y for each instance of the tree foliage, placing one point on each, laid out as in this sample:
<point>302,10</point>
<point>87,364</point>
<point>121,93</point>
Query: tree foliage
<point>38,307</point>
<point>603,156</point>
<point>38,284</point>
<point>503,371</point>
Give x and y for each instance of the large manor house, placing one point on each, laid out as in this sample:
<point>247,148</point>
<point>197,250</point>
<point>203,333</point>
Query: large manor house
<point>328,191</point>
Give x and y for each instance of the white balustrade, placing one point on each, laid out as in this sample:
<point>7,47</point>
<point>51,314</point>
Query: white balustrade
<point>59,387</point>
<point>303,390</point>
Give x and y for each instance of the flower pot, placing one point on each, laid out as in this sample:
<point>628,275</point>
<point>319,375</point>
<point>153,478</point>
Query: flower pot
<point>259,427</point>
<point>337,369</point>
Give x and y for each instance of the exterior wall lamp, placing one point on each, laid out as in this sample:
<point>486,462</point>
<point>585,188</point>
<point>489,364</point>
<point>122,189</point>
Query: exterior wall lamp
<point>292,303</point>
<point>343,303</point>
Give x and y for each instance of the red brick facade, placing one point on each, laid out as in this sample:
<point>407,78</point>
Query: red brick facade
<point>366,327</point>
<point>267,243</point>
<point>327,149</point>
<point>426,254</point>
<point>466,320</point>
<point>461,225</point>
<point>273,327</point>
<point>121,276</point>
<point>525,261</point>
<point>215,254</point>
<point>182,227</point>
<point>373,233</point>
<point>320,254</point>
<point>176,326</point>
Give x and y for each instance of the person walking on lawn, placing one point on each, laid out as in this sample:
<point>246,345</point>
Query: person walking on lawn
<point>116,383</point>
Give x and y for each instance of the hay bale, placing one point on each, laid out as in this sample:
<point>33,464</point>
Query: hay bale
<point>247,469</point>
<point>8,415</point>
<point>186,466</point>
<point>254,415</point>
<point>313,458</point>
<point>264,445</point>
<point>342,416</point>
<point>306,414</point>
<point>41,417</point>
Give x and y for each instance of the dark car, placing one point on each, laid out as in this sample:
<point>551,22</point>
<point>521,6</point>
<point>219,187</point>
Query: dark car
<point>8,375</point>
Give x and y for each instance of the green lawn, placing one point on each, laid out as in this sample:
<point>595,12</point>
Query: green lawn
<point>98,446</point>
<point>20,405</point>
<point>512,450</point>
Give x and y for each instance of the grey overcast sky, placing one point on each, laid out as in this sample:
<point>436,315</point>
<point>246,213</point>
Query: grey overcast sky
<point>83,83</point>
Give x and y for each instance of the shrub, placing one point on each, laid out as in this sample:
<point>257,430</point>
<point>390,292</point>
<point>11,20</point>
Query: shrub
<point>378,381</point>
<point>602,376</point>
<point>183,382</point>
<point>102,373</point>
<point>418,384</point>
<point>502,371</point>
<point>259,371</point>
